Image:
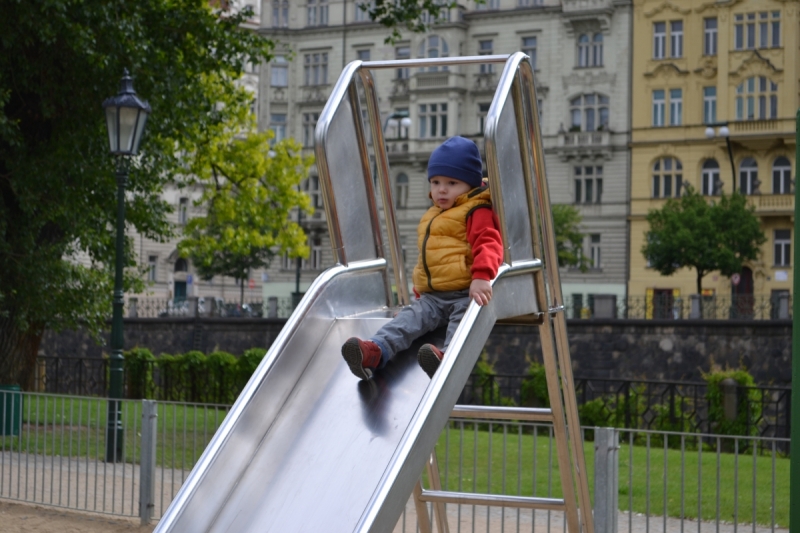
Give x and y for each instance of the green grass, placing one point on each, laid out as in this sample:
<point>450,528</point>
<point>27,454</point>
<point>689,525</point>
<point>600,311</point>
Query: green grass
<point>469,460</point>
<point>517,463</point>
<point>76,427</point>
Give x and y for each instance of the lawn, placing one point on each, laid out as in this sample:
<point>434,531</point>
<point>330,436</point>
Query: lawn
<point>510,460</point>
<point>473,457</point>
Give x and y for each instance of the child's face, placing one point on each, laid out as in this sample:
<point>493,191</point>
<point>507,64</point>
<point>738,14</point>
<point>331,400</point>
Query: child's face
<point>444,191</point>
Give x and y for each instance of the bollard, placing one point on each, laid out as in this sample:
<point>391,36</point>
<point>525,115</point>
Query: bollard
<point>147,467</point>
<point>272,307</point>
<point>730,398</point>
<point>694,311</point>
<point>133,307</point>
<point>606,479</point>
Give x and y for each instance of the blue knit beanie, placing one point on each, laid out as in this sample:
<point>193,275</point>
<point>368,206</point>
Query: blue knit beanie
<point>457,158</point>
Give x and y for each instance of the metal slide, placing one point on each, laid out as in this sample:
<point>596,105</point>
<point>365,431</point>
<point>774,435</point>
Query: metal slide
<point>307,446</point>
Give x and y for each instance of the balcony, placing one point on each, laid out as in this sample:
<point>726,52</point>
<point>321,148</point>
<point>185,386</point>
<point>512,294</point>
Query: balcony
<point>581,6</point>
<point>435,81</point>
<point>485,82</point>
<point>582,143</point>
<point>773,204</point>
<point>278,94</point>
<point>314,94</point>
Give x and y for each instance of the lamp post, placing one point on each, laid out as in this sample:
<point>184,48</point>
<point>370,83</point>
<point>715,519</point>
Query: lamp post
<point>401,118</point>
<point>723,132</point>
<point>126,116</point>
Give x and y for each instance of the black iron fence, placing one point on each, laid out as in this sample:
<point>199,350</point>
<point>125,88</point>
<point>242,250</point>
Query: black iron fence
<point>208,307</point>
<point>681,406</point>
<point>633,404</point>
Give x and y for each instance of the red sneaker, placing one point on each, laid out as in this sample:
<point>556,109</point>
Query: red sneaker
<point>361,356</point>
<point>429,358</point>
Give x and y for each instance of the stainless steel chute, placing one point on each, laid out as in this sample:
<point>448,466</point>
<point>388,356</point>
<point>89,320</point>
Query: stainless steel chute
<point>306,446</point>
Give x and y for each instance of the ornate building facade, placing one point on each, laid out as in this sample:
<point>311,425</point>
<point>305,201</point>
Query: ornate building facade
<point>580,51</point>
<point>715,91</point>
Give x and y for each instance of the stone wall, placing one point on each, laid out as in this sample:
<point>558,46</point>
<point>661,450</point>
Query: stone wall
<point>630,349</point>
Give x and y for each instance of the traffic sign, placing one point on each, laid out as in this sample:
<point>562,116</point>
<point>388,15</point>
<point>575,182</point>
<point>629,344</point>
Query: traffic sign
<point>735,279</point>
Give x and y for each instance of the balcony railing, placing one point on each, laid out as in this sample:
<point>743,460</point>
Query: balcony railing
<point>572,6</point>
<point>774,203</point>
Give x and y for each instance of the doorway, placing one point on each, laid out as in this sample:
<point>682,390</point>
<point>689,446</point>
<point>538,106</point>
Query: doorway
<point>742,300</point>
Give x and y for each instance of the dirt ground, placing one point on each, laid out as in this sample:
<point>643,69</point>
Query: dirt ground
<point>26,518</point>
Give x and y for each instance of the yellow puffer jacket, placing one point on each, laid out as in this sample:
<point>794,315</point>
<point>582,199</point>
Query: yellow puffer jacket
<point>445,256</point>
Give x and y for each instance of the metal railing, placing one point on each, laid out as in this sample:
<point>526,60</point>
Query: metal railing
<point>139,307</point>
<point>668,307</point>
<point>52,453</point>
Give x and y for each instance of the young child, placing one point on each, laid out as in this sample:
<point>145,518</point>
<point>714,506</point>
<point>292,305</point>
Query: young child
<point>460,250</point>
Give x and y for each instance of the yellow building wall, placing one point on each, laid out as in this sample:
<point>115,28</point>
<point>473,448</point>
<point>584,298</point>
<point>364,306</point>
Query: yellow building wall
<point>762,140</point>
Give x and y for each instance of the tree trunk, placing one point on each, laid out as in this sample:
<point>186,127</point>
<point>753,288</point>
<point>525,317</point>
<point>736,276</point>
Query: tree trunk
<point>18,352</point>
<point>700,291</point>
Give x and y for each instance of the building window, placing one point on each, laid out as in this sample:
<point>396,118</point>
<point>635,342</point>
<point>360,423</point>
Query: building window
<point>530,3</point>
<point>757,99</point>
<point>584,50</point>
<point>432,120</point>
<point>311,188</point>
<point>280,13</point>
<point>277,123</point>
<point>402,52</point>
<point>783,247</point>
<point>309,125</point>
<point>710,36</point>
<point>781,176</point>
<point>490,4</point>
<point>594,250</point>
<point>483,110</point>
<point>317,12</point>
<point>401,191</point>
<point>658,107</point>
<point>589,112</point>
<point>433,46</point>
<point>597,50</point>
<point>667,178</point>
<point>710,177</point>
<point>675,107</point>
<point>315,259</point>
<point>709,105</point>
<point>183,210</point>
<point>762,30</point>
<point>659,39</point>
<point>362,11</point>
<point>748,176</point>
<point>529,49</point>
<point>152,265</point>
<point>486,48</point>
<point>363,55</point>
<point>676,38</point>
<point>588,185</point>
<point>315,68</point>
<point>279,72</point>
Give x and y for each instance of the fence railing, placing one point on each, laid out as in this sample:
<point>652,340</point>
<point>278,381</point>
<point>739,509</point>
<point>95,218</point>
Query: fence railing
<point>669,307</point>
<point>52,452</point>
<point>631,404</point>
<point>140,307</point>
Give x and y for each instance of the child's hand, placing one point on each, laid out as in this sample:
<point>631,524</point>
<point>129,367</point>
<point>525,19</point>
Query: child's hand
<point>480,290</point>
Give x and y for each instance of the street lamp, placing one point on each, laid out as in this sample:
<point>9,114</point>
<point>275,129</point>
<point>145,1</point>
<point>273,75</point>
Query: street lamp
<point>401,120</point>
<point>126,116</point>
<point>723,132</point>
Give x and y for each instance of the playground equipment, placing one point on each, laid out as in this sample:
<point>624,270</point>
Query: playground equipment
<point>306,447</point>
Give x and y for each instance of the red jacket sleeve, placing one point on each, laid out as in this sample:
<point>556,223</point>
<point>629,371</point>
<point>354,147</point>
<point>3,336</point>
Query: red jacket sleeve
<point>483,234</point>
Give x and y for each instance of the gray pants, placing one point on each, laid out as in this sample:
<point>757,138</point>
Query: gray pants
<point>425,314</point>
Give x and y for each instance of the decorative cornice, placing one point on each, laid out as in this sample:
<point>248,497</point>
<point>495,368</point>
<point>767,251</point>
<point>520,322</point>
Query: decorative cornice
<point>666,70</point>
<point>666,6</point>
<point>708,68</point>
<point>717,6</point>
<point>755,63</point>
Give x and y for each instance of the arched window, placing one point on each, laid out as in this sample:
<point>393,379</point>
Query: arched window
<point>667,177</point>
<point>589,112</point>
<point>181,265</point>
<point>401,191</point>
<point>781,176</point>
<point>433,46</point>
<point>757,99</point>
<point>710,178</point>
<point>597,50</point>
<point>584,50</point>
<point>748,176</point>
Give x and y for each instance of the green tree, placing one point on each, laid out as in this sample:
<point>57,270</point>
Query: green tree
<point>249,190</point>
<point>413,15</point>
<point>569,239</point>
<point>60,60</point>
<point>691,232</point>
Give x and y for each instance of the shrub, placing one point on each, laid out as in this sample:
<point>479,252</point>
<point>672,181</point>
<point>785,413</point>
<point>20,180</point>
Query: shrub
<point>221,367</point>
<point>139,372</point>
<point>247,364</point>
<point>748,407</point>
<point>533,390</point>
